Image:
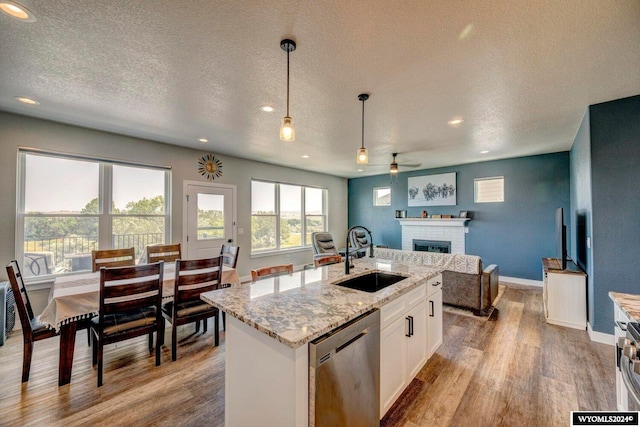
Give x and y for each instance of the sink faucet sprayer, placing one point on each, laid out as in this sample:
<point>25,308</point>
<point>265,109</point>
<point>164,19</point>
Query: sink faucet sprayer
<point>346,255</point>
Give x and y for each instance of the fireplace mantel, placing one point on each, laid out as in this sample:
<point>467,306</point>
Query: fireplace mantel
<point>435,222</point>
<point>446,229</point>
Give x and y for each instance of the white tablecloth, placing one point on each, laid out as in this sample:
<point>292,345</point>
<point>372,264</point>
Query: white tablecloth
<point>77,297</point>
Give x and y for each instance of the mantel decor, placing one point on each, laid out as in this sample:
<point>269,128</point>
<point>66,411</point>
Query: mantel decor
<point>210,167</point>
<point>432,190</point>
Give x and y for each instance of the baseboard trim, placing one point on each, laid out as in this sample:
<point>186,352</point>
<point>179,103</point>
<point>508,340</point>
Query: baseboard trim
<point>600,337</point>
<point>519,281</point>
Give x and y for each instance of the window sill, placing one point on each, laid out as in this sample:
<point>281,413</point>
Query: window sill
<point>280,252</point>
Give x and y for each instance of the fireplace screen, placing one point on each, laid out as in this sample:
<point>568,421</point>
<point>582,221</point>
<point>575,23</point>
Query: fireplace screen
<point>439,246</point>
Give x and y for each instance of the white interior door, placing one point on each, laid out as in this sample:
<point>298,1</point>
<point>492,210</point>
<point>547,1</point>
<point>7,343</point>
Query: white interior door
<point>209,217</point>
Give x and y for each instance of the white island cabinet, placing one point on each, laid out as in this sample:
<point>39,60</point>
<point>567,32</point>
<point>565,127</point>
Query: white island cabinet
<point>271,322</point>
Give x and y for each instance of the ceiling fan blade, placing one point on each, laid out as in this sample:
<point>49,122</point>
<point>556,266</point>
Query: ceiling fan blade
<point>410,165</point>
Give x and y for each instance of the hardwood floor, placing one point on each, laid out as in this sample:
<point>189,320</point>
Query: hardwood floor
<point>511,370</point>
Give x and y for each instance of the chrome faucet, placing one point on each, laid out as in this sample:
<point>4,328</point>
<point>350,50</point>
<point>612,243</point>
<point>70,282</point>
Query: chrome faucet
<point>347,252</point>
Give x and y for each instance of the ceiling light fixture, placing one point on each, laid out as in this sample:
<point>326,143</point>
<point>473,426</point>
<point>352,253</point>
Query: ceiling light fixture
<point>287,131</point>
<point>203,140</point>
<point>456,121</point>
<point>363,157</point>
<point>484,151</point>
<point>393,168</point>
<point>25,100</point>
<point>360,170</point>
<point>17,11</point>
<point>267,108</point>
<point>305,156</point>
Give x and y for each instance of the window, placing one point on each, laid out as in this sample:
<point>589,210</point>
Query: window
<point>68,206</point>
<point>283,216</point>
<point>382,196</point>
<point>489,190</point>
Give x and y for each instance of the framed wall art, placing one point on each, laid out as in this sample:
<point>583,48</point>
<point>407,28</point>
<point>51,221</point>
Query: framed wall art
<point>432,190</point>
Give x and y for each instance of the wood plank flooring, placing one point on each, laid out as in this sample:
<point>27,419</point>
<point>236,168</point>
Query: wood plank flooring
<point>512,370</point>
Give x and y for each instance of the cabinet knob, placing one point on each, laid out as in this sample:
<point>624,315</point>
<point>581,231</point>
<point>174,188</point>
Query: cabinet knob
<point>630,351</point>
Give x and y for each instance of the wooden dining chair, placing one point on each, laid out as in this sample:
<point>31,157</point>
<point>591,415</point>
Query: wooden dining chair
<point>326,260</point>
<point>112,258</point>
<point>193,277</point>
<point>130,306</point>
<point>274,270</point>
<point>230,255</point>
<point>166,253</point>
<point>32,329</point>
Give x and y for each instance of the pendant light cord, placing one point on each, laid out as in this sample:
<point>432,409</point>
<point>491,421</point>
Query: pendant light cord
<point>287,82</point>
<point>363,123</point>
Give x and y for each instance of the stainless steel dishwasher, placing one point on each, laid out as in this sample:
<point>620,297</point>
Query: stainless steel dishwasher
<point>344,375</point>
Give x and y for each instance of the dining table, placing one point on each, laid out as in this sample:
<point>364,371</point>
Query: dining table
<point>76,298</point>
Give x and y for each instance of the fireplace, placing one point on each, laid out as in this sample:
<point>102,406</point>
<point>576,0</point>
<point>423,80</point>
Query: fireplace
<point>440,246</point>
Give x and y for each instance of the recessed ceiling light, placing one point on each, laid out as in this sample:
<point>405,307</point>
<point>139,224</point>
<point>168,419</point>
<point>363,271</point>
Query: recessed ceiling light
<point>305,156</point>
<point>360,170</point>
<point>17,11</point>
<point>26,100</point>
<point>203,140</point>
<point>267,108</point>
<point>484,151</point>
<point>456,121</point>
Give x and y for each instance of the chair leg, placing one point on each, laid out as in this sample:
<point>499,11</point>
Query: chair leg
<point>159,339</point>
<point>94,351</point>
<point>224,321</point>
<point>26,360</point>
<point>100,357</point>
<point>150,343</point>
<point>216,332</point>
<point>197,326</point>
<point>174,338</point>
<point>205,324</point>
<point>89,336</point>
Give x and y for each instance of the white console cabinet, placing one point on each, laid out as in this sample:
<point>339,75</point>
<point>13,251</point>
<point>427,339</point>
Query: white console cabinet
<point>434,315</point>
<point>564,294</point>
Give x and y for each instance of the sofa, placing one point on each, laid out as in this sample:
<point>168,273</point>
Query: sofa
<point>464,282</point>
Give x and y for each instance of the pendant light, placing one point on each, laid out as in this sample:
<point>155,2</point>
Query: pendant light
<point>393,169</point>
<point>287,131</point>
<point>363,157</point>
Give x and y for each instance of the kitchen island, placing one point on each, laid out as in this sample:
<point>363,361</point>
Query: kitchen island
<point>270,323</point>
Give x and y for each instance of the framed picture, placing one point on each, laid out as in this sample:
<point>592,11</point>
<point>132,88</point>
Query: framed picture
<point>432,190</point>
<point>463,214</point>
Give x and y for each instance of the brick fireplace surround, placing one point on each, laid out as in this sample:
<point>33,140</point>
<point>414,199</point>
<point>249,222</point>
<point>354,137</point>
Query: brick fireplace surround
<point>446,229</point>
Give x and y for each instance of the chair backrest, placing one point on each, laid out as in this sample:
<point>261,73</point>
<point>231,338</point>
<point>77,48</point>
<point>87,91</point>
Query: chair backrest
<point>195,276</point>
<point>230,255</point>
<point>274,270</point>
<point>326,260</point>
<point>128,288</point>
<point>166,253</point>
<point>323,244</point>
<point>358,239</point>
<point>112,258</point>
<point>21,297</point>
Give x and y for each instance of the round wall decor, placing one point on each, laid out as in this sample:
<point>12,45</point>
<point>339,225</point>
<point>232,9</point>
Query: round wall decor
<point>210,167</point>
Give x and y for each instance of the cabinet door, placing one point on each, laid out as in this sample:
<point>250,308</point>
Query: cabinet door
<point>434,322</point>
<point>417,342</point>
<point>393,356</point>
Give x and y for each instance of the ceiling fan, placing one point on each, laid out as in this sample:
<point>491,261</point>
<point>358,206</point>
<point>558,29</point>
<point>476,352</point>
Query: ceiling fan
<point>393,167</point>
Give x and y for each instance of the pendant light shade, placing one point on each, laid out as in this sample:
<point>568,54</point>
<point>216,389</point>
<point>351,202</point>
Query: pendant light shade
<point>287,130</point>
<point>363,157</point>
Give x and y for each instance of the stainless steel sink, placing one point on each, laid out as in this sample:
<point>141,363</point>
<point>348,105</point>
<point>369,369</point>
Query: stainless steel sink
<point>371,282</point>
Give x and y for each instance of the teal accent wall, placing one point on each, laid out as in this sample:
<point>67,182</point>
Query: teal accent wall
<point>615,194</point>
<point>514,234</point>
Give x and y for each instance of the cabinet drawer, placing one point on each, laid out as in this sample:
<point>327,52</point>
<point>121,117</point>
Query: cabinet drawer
<point>396,308</point>
<point>434,285</point>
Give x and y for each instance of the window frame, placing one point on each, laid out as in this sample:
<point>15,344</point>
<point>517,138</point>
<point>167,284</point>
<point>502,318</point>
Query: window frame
<point>304,244</point>
<point>375,198</point>
<point>491,178</point>
<point>105,214</point>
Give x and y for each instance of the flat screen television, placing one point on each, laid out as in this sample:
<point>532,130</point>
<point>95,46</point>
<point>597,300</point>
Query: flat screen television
<point>561,239</point>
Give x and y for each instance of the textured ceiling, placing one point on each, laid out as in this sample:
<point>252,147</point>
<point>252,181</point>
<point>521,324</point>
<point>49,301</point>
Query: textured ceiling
<point>520,72</point>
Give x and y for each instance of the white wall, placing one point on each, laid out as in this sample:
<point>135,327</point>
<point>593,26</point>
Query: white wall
<point>20,131</point>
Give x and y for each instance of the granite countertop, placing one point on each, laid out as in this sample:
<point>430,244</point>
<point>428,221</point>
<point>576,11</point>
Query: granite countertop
<point>629,303</point>
<point>295,309</point>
